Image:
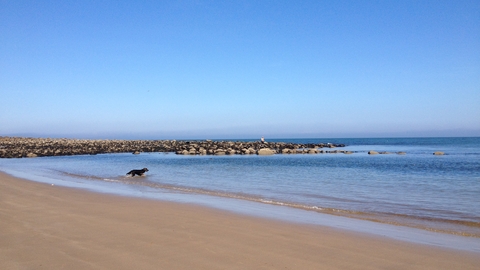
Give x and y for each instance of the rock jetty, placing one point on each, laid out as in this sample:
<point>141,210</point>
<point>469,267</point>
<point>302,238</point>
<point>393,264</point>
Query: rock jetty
<point>19,147</point>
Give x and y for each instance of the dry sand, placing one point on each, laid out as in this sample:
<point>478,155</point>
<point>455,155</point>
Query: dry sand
<point>51,227</point>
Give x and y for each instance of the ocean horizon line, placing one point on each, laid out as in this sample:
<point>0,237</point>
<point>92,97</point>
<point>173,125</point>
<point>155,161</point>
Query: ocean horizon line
<point>273,138</point>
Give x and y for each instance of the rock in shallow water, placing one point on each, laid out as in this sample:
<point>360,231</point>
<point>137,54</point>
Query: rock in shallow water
<point>265,152</point>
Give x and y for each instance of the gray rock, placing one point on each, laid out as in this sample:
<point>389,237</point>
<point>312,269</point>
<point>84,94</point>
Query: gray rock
<point>219,152</point>
<point>265,152</point>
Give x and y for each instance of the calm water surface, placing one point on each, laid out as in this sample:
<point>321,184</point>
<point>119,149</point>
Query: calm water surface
<point>436,193</point>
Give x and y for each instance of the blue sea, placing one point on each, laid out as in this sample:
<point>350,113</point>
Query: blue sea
<point>416,190</point>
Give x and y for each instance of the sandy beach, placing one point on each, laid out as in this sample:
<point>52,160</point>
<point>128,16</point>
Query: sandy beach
<point>50,227</point>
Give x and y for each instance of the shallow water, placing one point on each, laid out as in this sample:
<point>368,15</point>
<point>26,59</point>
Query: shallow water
<point>420,190</point>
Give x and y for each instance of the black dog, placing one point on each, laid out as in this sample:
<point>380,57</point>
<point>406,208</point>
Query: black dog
<point>137,172</point>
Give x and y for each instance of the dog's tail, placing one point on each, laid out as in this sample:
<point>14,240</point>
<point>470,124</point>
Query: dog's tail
<point>130,172</point>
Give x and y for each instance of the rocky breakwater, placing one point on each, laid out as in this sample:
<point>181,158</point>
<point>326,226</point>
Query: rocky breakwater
<point>209,147</point>
<point>17,147</point>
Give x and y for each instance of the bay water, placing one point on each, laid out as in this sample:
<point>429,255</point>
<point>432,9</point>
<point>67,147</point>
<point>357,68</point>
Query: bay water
<point>417,189</point>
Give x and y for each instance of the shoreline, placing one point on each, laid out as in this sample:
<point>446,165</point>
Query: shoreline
<point>281,213</point>
<point>61,227</point>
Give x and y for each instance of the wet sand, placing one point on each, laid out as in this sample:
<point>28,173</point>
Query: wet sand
<point>50,227</point>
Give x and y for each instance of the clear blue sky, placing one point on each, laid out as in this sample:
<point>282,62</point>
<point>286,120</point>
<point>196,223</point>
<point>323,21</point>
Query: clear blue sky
<point>239,69</point>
